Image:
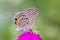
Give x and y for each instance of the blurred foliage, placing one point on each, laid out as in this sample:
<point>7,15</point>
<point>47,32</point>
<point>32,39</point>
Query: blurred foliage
<point>48,21</point>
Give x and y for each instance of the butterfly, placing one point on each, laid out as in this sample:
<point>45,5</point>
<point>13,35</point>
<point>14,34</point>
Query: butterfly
<point>25,19</point>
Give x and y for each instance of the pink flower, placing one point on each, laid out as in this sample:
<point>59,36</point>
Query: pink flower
<point>29,36</point>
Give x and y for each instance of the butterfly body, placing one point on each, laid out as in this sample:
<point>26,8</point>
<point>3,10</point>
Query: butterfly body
<point>25,19</point>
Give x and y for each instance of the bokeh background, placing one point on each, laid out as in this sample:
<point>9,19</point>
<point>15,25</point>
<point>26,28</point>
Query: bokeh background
<point>48,21</point>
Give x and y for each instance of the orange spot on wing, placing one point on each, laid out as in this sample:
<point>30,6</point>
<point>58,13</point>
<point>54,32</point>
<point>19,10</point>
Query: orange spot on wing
<point>16,20</point>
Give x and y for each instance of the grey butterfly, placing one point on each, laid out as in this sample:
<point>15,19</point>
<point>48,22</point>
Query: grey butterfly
<point>25,19</point>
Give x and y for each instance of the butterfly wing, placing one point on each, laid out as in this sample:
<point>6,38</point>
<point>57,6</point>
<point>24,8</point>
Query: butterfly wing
<point>27,18</point>
<point>23,21</point>
<point>32,14</point>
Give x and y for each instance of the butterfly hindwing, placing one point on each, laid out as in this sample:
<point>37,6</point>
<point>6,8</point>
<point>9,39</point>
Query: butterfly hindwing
<point>26,18</point>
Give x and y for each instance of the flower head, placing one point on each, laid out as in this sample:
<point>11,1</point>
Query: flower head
<point>29,36</point>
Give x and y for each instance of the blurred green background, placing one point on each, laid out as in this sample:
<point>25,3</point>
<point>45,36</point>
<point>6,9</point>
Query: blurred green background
<point>48,21</point>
